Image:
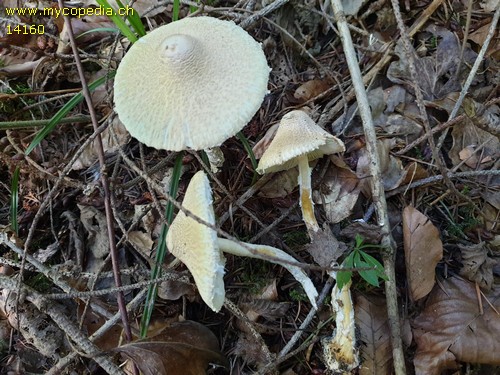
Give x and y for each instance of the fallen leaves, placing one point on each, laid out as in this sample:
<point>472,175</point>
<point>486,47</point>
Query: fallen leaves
<point>451,328</point>
<point>180,348</point>
<point>423,250</point>
<point>374,336</point>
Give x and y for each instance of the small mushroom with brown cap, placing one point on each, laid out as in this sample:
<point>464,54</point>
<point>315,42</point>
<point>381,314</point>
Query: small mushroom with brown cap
<point>199,248</point>
<point>299,140</point>
<point>190,84</point>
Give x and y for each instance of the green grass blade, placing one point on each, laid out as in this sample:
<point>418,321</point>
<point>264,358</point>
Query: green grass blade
<point>119,22</point>
<point>14,201</point>
<point>64,111</point>
<point>176,9</point>
<point>162,247</point>
<point>250,153</point>
<point>134,19</point>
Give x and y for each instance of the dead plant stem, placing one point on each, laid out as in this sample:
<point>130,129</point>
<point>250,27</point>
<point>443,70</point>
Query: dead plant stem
<point>472,74</point>
<point>377,189</point>
<point>104,179</point>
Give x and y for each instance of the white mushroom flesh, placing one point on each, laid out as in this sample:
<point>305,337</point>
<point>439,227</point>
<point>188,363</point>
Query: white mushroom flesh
<point>277,256</point>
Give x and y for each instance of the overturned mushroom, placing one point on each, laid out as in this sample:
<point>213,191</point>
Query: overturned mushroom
<point>190,84</point>
<point>199,248</point>
<point>297,141</point>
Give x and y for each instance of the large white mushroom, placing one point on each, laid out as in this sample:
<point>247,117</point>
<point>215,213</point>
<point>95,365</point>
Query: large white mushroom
<point>199,248</point>
<point>190,84</point>
<point>299,140</point>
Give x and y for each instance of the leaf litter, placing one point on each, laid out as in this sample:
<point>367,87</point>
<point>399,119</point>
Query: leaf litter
<point>452,320</point>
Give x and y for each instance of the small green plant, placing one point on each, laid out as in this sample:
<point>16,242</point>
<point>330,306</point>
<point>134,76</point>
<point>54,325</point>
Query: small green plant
<point>360,259</point>
<point>296,239</point>
<point>255,274</point>
<point>298,295</point>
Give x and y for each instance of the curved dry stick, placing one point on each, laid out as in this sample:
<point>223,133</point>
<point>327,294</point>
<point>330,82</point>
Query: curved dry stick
<point>67,326</point>
<point>104,180</point>
<point>376,188</point>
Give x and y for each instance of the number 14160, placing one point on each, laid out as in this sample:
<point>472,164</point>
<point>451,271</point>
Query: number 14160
<point>25,29</point>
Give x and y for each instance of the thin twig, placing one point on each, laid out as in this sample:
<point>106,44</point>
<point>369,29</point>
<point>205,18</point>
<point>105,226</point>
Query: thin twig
<point>248,22</point>
<point>57,314</point>
<point>104,179</point>
<point>377,188</point>
<point>66,361</point>
<point>470,78</point>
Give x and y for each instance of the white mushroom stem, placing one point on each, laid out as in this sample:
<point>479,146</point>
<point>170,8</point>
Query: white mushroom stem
<point>340,349</point>
<point>306,202</point>
<point>280,257</point>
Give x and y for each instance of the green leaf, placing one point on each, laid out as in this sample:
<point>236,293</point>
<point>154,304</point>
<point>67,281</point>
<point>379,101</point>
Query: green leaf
<point>72,103</point>
<point>370,276</point>
<point>374,263</point>
<point>343,277</point>
<point>359,241</point>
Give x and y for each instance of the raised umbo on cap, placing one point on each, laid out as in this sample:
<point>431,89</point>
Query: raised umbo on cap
<point>190,84</point>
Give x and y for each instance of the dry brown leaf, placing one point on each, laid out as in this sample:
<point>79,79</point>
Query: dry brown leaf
<point>468,136</point>
<point>94,221</point>
<point>414,172</point>
<point>479,36</point>
<point>477,265</point>
<point>175,289</point>
<point>182,348</point>
<point>311,89</point>
<point>374,336</point>
<point>432,71</point>
<point>281,185</point>
<point>92,321</point>
<point>339,191</point>
<point>82,25</point>
<point>451,328</point>
<point>423,251</point>
<point>325,248</point>
<point>369,232</point>
<point>141,240</point>
<point>391,168</point>
<point>89,155</point>
<point>263,304</point>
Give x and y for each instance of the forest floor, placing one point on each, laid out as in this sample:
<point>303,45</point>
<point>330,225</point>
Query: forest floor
<point>431,78</point>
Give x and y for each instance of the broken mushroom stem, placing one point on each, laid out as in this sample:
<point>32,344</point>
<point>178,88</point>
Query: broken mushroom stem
<point>306,202</point>
<point>340,349</point>
<point>273,255</point>
<point>199,248</point>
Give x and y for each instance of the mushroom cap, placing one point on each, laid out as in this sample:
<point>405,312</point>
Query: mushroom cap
<point>190,84</point>
<point>297,135</point>
<point>195,245</point>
